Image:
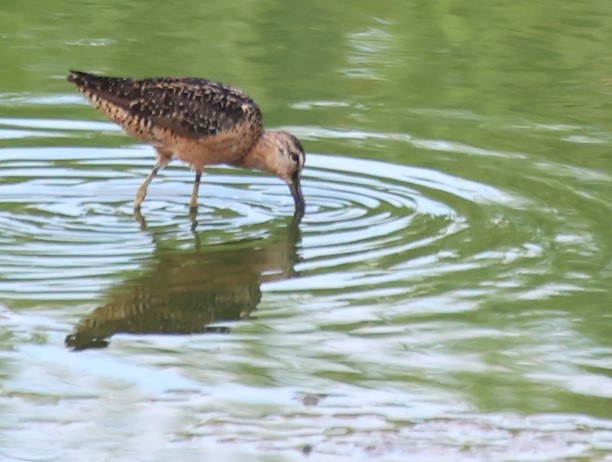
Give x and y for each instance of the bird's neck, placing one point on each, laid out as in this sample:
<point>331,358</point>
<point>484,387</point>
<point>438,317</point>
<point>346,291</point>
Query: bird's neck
<point>263,155</point>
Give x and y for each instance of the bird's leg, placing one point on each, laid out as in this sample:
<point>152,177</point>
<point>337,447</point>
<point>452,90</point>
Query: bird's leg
<point>162,161</point>
<point>193,203</point>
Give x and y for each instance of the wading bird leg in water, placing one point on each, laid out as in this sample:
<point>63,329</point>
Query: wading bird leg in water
<point>162,161</point>
<point>193,203</point>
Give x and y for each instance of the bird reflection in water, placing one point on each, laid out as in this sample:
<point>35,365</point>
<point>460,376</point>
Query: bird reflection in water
<point>184,291</point>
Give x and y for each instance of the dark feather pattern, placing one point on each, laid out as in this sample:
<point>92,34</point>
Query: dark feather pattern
<point>190,107</point>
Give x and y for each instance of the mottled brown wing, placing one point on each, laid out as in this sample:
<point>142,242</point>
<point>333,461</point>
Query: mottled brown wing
<point>190,107</point>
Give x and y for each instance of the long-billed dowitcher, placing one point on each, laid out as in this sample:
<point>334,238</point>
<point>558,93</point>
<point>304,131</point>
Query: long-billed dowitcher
<point>198,121</point>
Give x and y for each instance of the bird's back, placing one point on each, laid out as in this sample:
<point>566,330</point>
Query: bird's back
<point>176,113</point>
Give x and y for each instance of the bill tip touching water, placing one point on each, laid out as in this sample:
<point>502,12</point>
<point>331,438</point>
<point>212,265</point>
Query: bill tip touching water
<point>197,121</point>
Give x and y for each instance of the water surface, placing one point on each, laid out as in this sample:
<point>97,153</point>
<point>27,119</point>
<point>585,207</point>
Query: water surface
<point>446,297</point>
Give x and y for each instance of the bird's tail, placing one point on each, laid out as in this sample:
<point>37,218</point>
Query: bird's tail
<point>101,89</point>
<point>86,81</point>
<point>77,77</point>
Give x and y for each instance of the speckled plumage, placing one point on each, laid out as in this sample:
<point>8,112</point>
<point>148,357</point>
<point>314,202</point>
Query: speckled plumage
<point>197,121</point>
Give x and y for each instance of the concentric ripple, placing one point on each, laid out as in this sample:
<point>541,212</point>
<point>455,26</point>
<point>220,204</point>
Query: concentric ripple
<point>69,229</point>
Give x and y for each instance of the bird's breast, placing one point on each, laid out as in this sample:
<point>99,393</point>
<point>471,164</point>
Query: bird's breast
<point>226,147</point>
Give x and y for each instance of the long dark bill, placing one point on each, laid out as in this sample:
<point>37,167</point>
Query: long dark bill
<point>296,192</point>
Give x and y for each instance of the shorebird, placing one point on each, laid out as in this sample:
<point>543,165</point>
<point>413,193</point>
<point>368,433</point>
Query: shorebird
<point>198,121</point>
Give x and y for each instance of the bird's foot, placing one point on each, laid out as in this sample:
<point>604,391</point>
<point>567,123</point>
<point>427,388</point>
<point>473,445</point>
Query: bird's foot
<point>193,216</point>
<point>140,219</point>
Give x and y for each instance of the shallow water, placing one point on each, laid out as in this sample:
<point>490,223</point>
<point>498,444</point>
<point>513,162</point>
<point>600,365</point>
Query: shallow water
<point>446,297</point>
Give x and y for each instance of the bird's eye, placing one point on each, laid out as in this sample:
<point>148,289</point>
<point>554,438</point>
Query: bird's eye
<point>294,157</point>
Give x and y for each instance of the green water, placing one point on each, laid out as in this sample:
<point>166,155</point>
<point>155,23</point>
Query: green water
<point>447,295</point>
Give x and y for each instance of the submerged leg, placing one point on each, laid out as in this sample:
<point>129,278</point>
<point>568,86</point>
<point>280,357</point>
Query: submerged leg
<point>142,191</point>
<point>193,203</point>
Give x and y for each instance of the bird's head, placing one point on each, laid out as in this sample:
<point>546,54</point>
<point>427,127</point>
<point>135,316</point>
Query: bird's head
<point>280,153</point>
<point>291,162</point>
